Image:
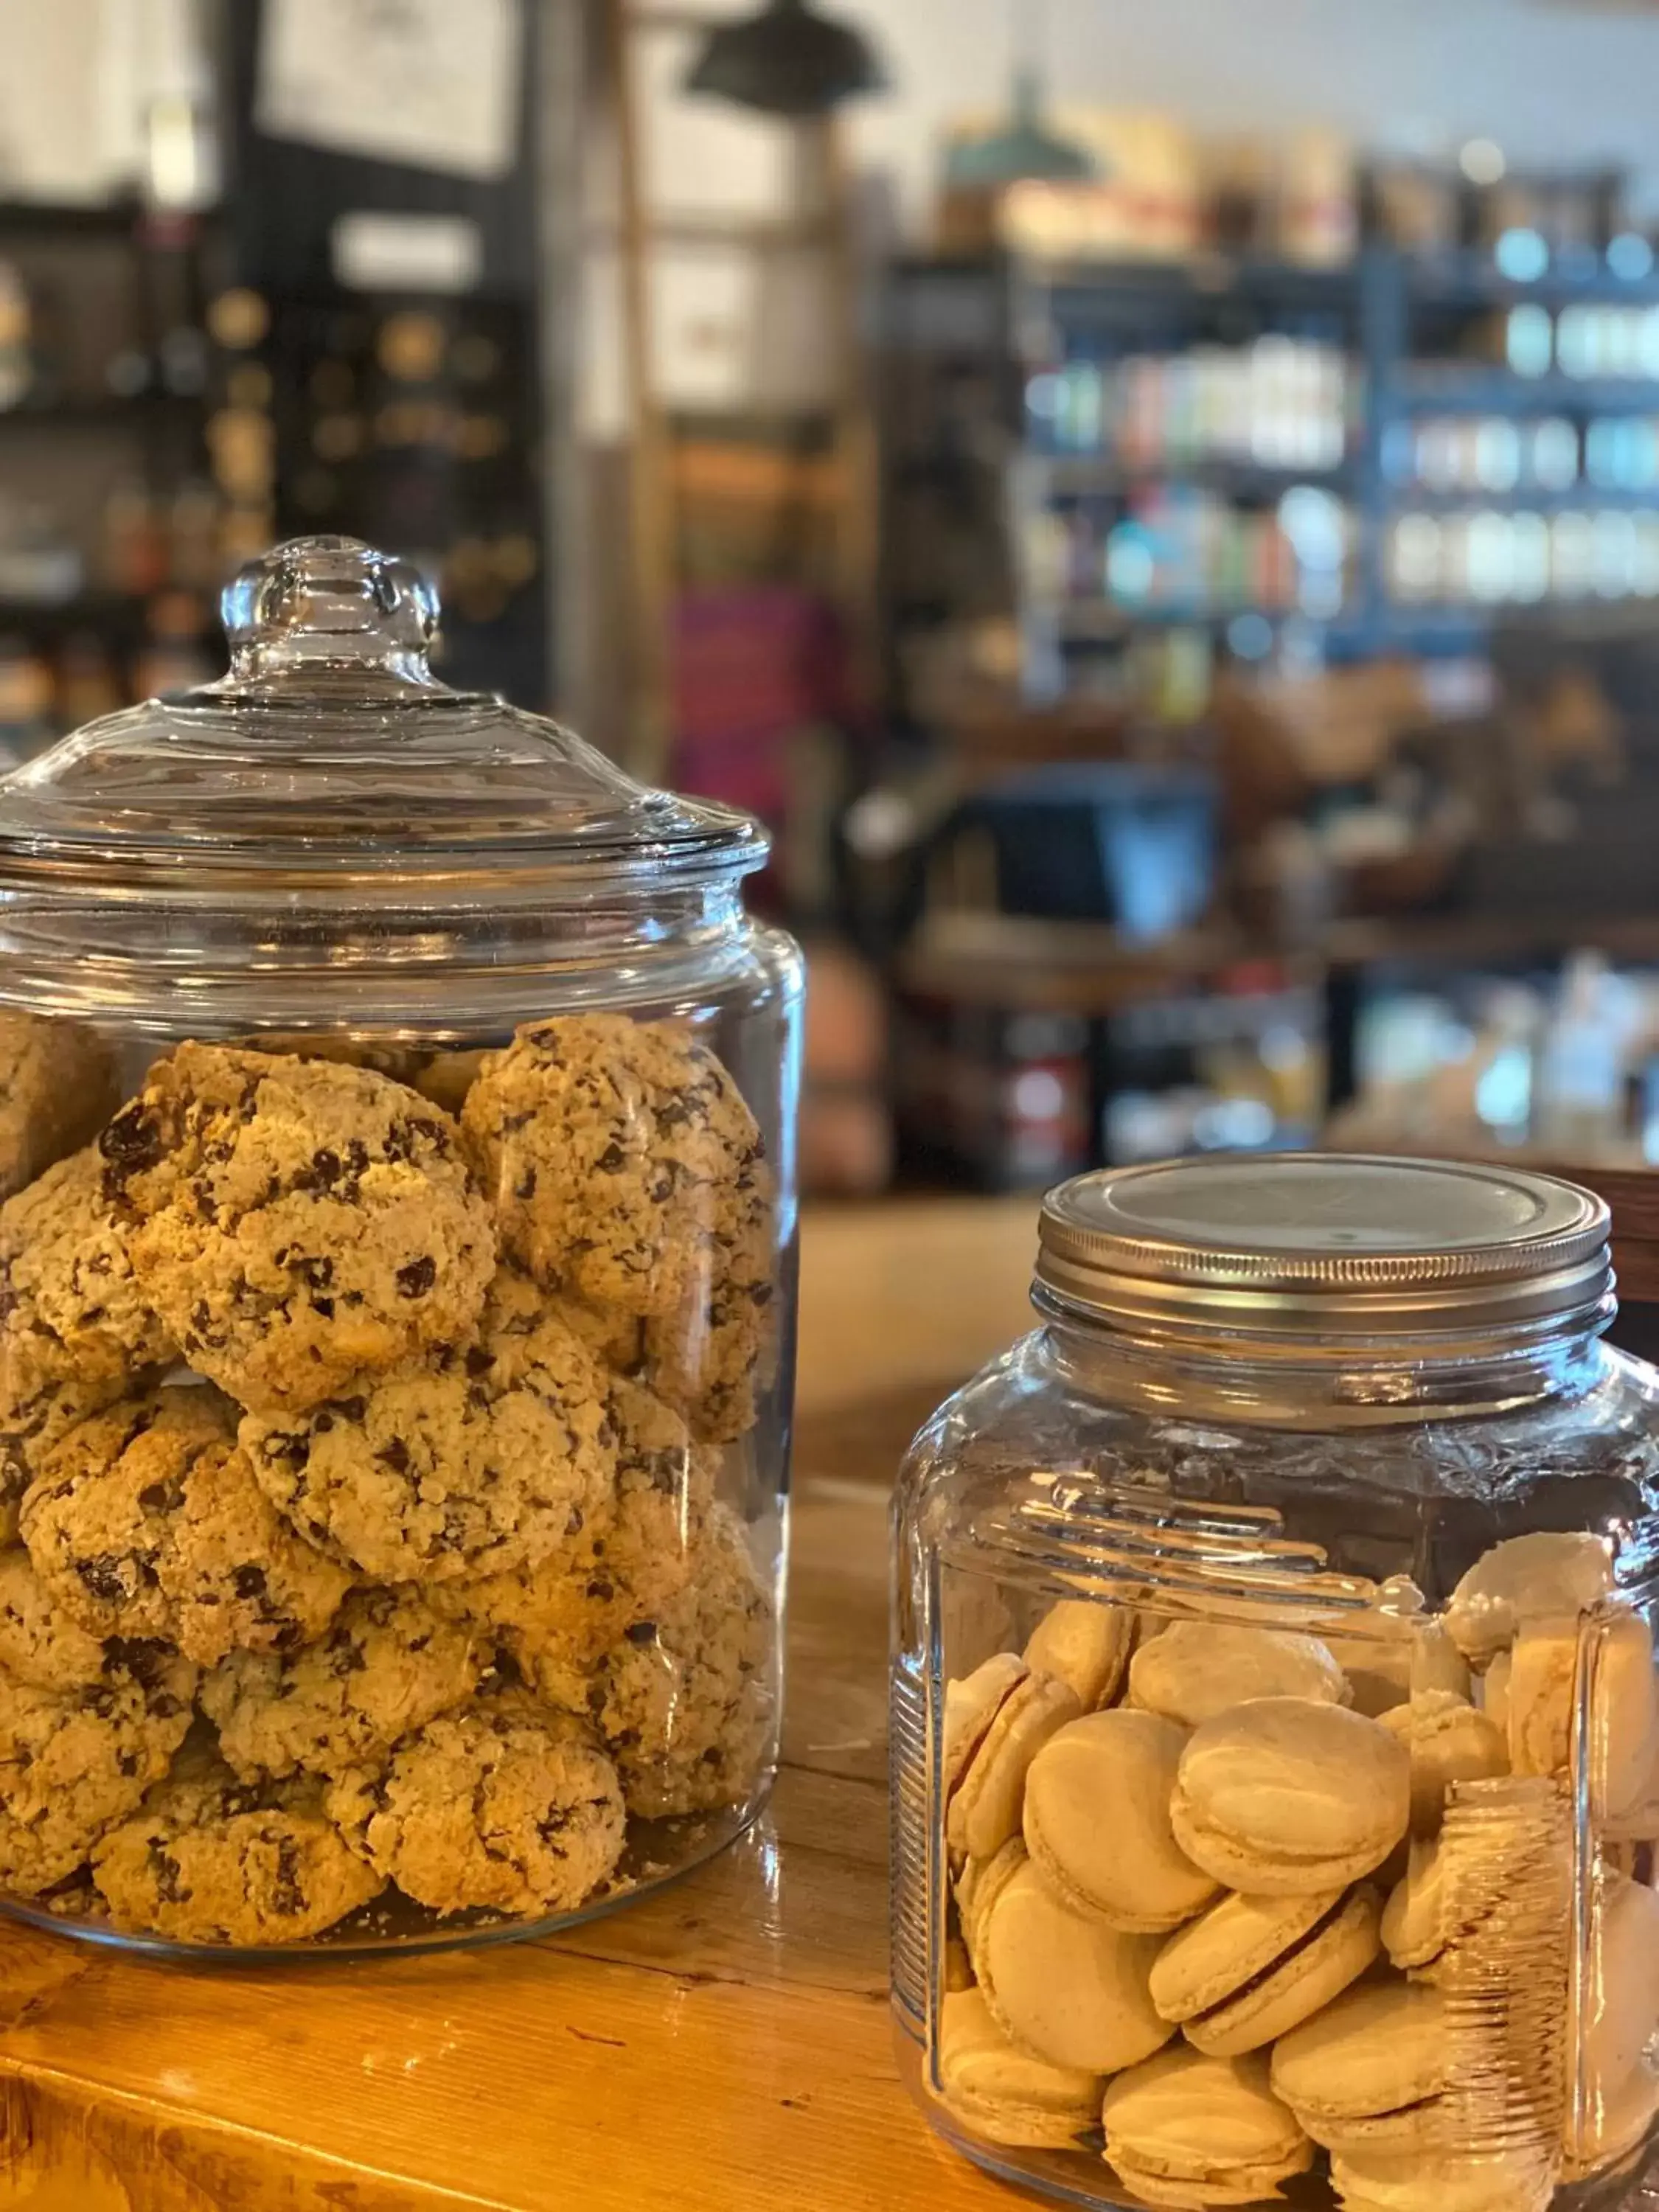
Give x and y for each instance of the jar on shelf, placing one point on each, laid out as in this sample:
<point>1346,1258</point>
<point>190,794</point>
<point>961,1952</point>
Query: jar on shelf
<point>1275,1735</point>
<point>397,1287</point>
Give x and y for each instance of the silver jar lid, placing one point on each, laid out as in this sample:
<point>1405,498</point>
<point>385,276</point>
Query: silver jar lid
<point>1294,1246</point>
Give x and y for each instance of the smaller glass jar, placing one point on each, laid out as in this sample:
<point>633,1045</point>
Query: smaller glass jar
<point>396,1304</point>
<point>1275,1720</point>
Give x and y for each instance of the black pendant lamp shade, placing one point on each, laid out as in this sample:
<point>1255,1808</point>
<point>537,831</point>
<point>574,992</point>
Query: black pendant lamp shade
<point>785,61</point>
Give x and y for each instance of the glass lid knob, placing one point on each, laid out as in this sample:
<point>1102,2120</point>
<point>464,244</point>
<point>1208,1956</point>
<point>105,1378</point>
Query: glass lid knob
<point>323,604</point>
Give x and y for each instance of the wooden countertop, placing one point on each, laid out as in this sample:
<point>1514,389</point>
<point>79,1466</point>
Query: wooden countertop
<point>723,2043</point>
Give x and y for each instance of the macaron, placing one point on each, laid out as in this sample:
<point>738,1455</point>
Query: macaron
<point>1494,1882</point>
<point>1087,1645</point>
<point>1096,1822</point>
<point>1615,2121</point>
<point>1254,1967</point>
<point>1495,1689</point>
<point>1542,1575</point>
<point>1618,2007</point>
<point>970,1706</point>
<point>984,1811</point>
<point>1370,2071</point>
<point>1064,1985</point>
<point>1539,1691</point>
<point>1287,1796</point>
<point>1185,2129</point>
<point>1441,2181</point>
<point>1415,1924</point>
<point>1199,1668</point>
<point>977,1882</point>
<point>1004,2094</point>
<point>1384,1670</point>
<point>1447,1740</point>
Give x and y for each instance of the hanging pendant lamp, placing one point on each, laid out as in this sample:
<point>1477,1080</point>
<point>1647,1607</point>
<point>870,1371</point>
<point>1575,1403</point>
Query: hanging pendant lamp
<point>787,60</point>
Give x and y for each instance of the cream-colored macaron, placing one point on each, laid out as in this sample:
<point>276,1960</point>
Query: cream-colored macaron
<point>1539,1692</point>
<point>984,1811</point>
<point>970,1706</point>
<point>1184,2129</point>
<point>1618,1998</point>
<point>1254,1967</point>
<point>1198,1668</point>
<point>1416,1924</point>
<point>1384,1668</point>
<point>1441,2180</point>
<point>1613,2122</point>
<point>1544,1575</point>
<point>1097,1821</point>
<point>1495,1690</point>
<point>1443,1901</point>
<point>1493,1885</point>
<point>1447,1740</point>
<point>1062,1984</point>
<point>1004,2094</point>
<point>1286,1795</point>
<point>1087,1645</point>
<point>978,1882</point>
<point>1371,2070</point>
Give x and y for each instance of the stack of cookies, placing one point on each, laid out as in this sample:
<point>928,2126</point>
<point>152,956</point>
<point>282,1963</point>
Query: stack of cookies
<point>358,1476</point>
<point>1246,1911</point>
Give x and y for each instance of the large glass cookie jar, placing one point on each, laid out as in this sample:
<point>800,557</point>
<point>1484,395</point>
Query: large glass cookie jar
<point>1274,1724</point>
<point>396,1304</point>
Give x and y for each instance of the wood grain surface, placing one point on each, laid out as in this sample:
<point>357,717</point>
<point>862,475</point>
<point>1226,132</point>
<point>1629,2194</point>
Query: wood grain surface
<point>724,2044</point>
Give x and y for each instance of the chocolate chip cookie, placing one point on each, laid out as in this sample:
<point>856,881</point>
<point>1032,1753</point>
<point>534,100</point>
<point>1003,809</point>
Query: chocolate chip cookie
<point>555,1620</point>
<point>604,1143</point>
<point>387,1665</point>
<point>501,1805</point>
<point>210,1859</point>
<point>73,1329</point>
<point>684,1703</point>
<point>72,1763</point>
<point>39,1643</point>
<point>297,1224</point>
<point>518,1305</point>
<point>715,1353</point>
<point>468,1463</point>
<point>57,1090</point>
<point>148,1522</point>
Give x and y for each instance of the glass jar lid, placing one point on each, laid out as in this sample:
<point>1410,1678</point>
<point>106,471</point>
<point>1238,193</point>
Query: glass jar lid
<point>331,754</point>
<point>1302,1245</point>
<point>329,834</point>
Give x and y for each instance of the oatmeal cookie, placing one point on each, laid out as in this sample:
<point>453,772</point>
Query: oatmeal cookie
<point>555,1620</point>
<point>501,1805</point>
<point>518,1306</point>
<point>716,1351</point>
<point>147,1520</point>
<point>73,1764</point>
<point>685,1704</point>
<point>39,1643</point>
<point>605,1143</point>
<point>57,1090</point>
<point>387,1665</point>
<point>74,1331</point>
<point>467,1463</point>
<point>210,1859</point>
<point>297,1224</point>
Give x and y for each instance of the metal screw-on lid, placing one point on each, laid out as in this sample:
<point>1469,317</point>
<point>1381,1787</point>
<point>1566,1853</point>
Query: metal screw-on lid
<point>1297,1245</point>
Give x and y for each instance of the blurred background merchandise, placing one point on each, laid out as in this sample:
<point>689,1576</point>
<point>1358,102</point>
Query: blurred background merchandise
<point>1158,509</point>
